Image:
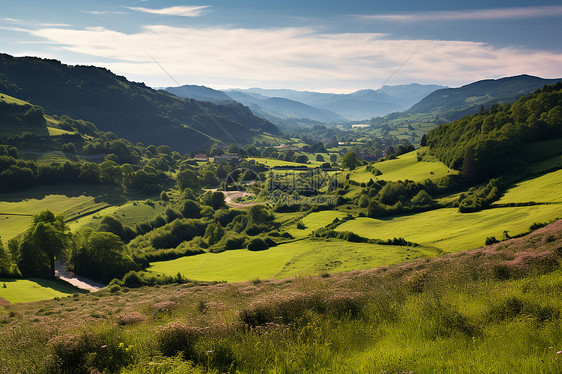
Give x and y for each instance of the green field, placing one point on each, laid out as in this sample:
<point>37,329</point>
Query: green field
<point>451,231</point>
<point>17,208</point>
<point>28,290</point>
<point>271,162</point>
<point>403,167</point>
<point>544,189</point>
<point>286,260</point>
<point>314,221</point>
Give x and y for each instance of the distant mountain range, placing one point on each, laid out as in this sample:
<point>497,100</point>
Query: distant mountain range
<point>130,110</point>
<point>359,105</point>
<point>284,107</point>
<point>449,104</point>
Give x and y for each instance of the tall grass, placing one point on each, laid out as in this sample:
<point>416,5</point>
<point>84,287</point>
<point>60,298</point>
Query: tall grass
<point>455,313</point>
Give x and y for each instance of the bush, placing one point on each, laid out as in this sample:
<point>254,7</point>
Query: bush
<point>176,338</point>
<point>132,280</point>
<point>257,244</point>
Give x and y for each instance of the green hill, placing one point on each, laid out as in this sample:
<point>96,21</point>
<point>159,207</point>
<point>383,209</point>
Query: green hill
<point>130,110</point>
<point>449,104</point>
<point>17,117</point>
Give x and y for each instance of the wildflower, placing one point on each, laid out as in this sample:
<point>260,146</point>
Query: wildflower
<point>121,345</point>
<point>559,353</point>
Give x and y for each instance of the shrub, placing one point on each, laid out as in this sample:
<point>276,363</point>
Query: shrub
<point>132,280</point>
<point>176,338</point>
<point>257,244</point>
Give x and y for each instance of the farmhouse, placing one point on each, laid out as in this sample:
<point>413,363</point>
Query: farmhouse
<point>227,158</point>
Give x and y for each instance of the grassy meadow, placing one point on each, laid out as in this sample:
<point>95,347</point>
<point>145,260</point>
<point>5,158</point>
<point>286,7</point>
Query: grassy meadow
<point>546,188</point>
<point>35,289</point>
<point>490,310</point>
<point>403,167</point>
<point>451,231</point>
<point>286,260</point>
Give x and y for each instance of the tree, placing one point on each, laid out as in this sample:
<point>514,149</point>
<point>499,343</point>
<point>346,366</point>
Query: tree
<point>44,240</point>
<point>350,161</point>
<point>319,158</point>
<point>214,199</point>
<point>333,158</point>
<point>301,159</point>
<point>422,198</point>
<point>363,201</point>
<point>102,256</point>
<point>191,209</point>
<point>188,179</point>
<point>5,262</point>
<point>423,141</point>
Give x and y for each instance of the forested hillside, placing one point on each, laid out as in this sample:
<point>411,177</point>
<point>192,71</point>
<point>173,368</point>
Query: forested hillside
<point>493,141</point>
<point>130,110</point>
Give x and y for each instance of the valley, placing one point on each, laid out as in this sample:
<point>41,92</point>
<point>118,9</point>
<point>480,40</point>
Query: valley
<point>205,223</point>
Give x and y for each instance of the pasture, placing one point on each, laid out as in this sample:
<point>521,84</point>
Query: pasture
<point>286,260</point>
<point>17,208</point>
<point>314,221</point>
<point>35,289</point>
<point>546,188</point>
<point>451,231</point>
<point>403,167</point>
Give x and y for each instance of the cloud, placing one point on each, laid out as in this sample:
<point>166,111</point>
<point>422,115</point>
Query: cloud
<point>300,58</point>
<point>184,11</point>
<point>478,14</point>
<point>11,20</point>
<point>101,12</point>
<point>54,25</point>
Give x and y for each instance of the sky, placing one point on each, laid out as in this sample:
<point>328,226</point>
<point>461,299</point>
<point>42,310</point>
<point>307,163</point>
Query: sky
<point>328,46</point>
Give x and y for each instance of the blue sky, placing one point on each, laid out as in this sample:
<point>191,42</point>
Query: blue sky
<point>325,45</point>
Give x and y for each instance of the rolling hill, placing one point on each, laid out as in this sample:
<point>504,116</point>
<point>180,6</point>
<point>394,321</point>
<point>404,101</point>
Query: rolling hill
<point>470,97</point>
<point>130,110</point>
<point>449,104</point>
<point>200,93</point>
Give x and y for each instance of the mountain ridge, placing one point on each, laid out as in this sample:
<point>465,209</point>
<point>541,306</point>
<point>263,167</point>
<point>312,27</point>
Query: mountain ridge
<point>131,110</point>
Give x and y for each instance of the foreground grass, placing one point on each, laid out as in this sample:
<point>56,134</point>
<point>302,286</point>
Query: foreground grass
<point>28,290</point>
<point>491,310</point>
<point>451,231</point>
<point>286,260</point>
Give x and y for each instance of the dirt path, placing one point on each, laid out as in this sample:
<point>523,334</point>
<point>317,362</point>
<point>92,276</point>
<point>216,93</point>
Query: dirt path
<point>76,280</point>
<point>231,196</point>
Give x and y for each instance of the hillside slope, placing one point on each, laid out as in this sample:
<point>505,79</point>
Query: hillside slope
<point>200,93</point>
<point>476,311</point>
<point>130,110</point>
<point>485,92</point>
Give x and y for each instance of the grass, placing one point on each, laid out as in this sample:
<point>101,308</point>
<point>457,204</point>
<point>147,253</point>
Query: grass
<point>286,260</point>
<point>28,290</point>
<point>53,131</point>
<point>450,314</point>
<point>314,221</point>
<point>274,162</point>
<point>17,208</point>
<point>403,167</point>
<point>451,231</point>
<point>546,188</point>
